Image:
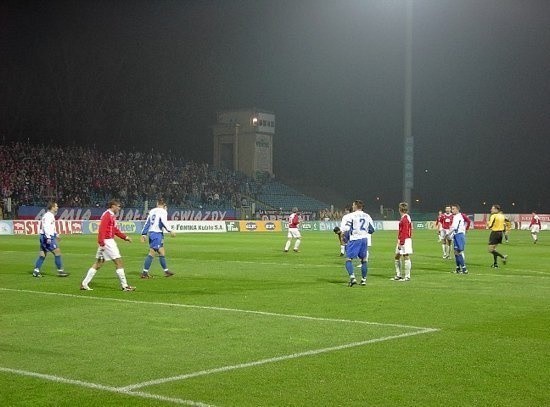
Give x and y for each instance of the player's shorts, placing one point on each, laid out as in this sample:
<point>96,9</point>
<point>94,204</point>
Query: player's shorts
<point>407,248</point>
<point>109,251</point>
<point>45,247</point>
<point>294,233</point>
<point>156,240</point>
<point>459,242</point>
<point>495,237</point>
<point>356,248</point>
<point>443,234</point>
<point>535,229</point>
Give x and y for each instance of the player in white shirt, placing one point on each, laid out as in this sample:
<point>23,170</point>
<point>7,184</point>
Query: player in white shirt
<point>457,232</point>
<point>294,231</point>
<point>156,224</point>
<point>358,224</point>
<point>48,242</point>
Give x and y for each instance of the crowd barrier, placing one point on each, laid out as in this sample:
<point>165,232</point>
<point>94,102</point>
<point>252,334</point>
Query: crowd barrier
<point>87,227</point>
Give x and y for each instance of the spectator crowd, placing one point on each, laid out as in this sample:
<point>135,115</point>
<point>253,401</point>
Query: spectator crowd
<point>81,176</point>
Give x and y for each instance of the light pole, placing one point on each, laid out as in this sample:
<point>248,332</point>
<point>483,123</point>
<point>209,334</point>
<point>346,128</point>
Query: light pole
<point>408,140</point>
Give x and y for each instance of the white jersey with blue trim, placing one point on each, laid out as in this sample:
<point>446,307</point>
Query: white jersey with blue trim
<point>47,225</point>
<point>458,225</point>
<point>156,221</point>
<point>357,223</point>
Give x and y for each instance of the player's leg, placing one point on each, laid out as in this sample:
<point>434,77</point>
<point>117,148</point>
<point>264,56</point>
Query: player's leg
<point>38,263</point>
<point>162,260</point>
<point>59,262</point>
<point>119,265</point>
<point>364,265</point>
<point>147,263</point>
<point>92,271</point>
<point>352,251</point>
<point>397,264</point>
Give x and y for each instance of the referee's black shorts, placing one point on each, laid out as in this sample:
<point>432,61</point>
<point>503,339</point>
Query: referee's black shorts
<point>495,237</point>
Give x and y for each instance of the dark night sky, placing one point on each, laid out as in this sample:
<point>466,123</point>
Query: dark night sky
<point>142,73</point>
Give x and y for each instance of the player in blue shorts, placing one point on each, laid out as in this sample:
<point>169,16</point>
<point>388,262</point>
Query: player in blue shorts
<point>156,223</point>
<point>358,224</point>
<point>48,242</point>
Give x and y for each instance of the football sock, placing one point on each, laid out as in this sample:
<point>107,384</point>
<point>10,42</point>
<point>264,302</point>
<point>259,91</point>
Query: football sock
<point>364,269</point>
<point>444,247</point>
<point>349,268</point>
<point>408,266</point>
<point>58,262</point>
<point>287,245</point>
<point>460,260</point>
<point>342,249</point>
<point>398,268</point>
<point>297,244</point>
<point>121,277</point>
<point>39,262</point>
<point>497,254</point>
<point>162,261</point>
<point>147,263</point>
<point>89,276</point>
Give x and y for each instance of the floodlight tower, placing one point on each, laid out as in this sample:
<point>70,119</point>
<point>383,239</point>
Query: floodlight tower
<point>408,140</point>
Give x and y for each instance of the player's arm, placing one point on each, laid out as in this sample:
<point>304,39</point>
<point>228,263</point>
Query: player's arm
<point>122,235</point>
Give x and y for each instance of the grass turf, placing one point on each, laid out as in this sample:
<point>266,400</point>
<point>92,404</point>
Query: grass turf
<point>243,324</point>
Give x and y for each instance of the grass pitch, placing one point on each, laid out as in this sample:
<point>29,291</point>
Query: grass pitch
<point>243,324</point>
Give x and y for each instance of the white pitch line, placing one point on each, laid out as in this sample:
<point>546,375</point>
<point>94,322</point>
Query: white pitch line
<point>110,389</point>
<point>271,360</point>
<point>212,308</point>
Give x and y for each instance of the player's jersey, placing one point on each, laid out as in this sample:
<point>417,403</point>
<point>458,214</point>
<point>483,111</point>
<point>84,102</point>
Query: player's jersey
<point>535,220</point>
<point>357,224</point>
<point>108,228</point>
<point>345,233</point>
<point>445,220</point>
<point>293,221</point>
<point>405,229</point>
<point>47,225</point>
<point>157,221</point>
<point>459,225</point>
<point>496,222</point>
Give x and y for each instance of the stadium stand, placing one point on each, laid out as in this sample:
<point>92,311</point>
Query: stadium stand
<point>83,176</point>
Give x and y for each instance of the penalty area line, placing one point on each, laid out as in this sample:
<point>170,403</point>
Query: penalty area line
<point>272,360</point>
<point>96,386</point>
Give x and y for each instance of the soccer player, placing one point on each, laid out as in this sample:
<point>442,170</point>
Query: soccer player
<point>507,228</point>
<point>293,231</point>
<point>404,248</point>
<point>358,224</point>
<point>48,242</point>
<point>445,220</point>
<point>496,224</point>
<point>156,223</point>
<point>343,237</point>
<point>535,227</point>
<point>457,232</point>
<point>108,249</point>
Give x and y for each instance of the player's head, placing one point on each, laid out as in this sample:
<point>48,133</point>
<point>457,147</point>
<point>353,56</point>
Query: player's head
<point>447,208</point>
<point>357,205</point>
<point>114,205</point>
<point>403,207</point>
<point>455,208</point>
<point>294,209</point>
<point>161,203</point>
<point>495,208</point>
<point>52,206</point>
